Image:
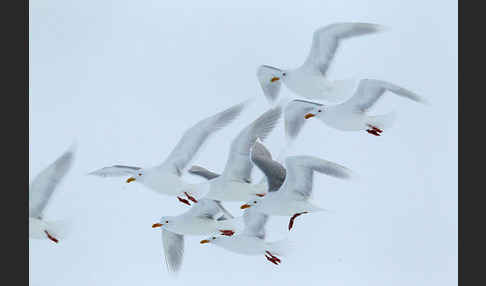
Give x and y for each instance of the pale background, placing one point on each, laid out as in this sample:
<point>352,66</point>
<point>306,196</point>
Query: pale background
<point>124,79</point>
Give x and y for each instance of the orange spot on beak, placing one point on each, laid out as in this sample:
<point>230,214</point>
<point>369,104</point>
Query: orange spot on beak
<point>131,179</point>
<point>204,241</point>
<point>156,225</point>
<point>245,206</point>
<point>309,115</point>
<point>260,195</point>
<point>274,79</point>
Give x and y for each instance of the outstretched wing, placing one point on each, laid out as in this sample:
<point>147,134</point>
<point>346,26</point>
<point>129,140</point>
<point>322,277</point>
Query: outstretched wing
<point>44,184</point>
<point>202,172</point>
<point>273,170</point>
<point>325,42</point>
<point>369,91</point>
<point>194,138</point>
<point>116,171</point>
<point>271,88</point>
<point>206,208</point>
<point>255,222</point>
<point>294,116</point>
<point>300,174</point>
<point>173,245</point>
<point>239,166</point>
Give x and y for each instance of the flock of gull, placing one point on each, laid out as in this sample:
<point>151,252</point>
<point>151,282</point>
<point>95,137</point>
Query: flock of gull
<point>285,189</point>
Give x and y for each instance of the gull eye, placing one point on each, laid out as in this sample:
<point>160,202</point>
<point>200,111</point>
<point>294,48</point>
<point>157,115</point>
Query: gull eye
<point>140,174</point>
<point>254,202</point>
<point>319,110</point>
<point>284,74</point>
<point>214,237</point>
<point>166,221</point>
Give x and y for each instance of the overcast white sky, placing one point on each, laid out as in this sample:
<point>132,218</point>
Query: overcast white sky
<point>126,78</point>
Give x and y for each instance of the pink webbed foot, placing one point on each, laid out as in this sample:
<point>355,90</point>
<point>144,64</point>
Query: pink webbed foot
<point>190,197</point>
<point>374,130</point>
<point>270,257</point>
<point>291,222</point>
<point>51,237</point>
<point>226,232</point>
<point>184,201</point>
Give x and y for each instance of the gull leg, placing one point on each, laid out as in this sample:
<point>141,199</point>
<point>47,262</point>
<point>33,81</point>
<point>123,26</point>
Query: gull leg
<point>291,222</point>
<point>190,197</point>
<point>374,130</point>
<point>270,257</point>
<point>184,201</point>
<point>227,232</point>
<point>51,237</point>
<point>273,256</point>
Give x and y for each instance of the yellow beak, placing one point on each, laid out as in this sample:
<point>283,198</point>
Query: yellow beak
<point>245,206</point>
<point>309,115</point>
<point>274,79</point>
<point>131,179</point>
<point>156,225</point>
<point>204,241</point>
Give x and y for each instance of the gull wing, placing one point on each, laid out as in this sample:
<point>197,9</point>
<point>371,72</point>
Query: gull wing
<point>206,208</point>
<point>255,222</point>
<point>116,171</point>
<point>300,174</point>
<point>173,245</point>
<point>45,183</point>
<point>239,166</point>
<point>369,91</point>
<point>194,137</point>
<point>326,40</point>
<point>202,172</point>
<point>273,170</point>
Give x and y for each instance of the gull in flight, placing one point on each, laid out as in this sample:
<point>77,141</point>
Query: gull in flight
<point>262,158</point>
<point>205,217</point>
<point>292,198</point>
<point>40,193</point>
<point>350,115</point>
<point>251,241</point>
<point>309,80</point>
<point>234,184</point>
<point>166,177</point>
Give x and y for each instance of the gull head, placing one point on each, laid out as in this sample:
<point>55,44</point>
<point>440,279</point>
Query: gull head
<point>139,176</point>
<point>252,203</point>
<point>274,73</point>
<point>209,240</point>
<point>164,222</point>
<point>217,240</point>
<point>315,112</point>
